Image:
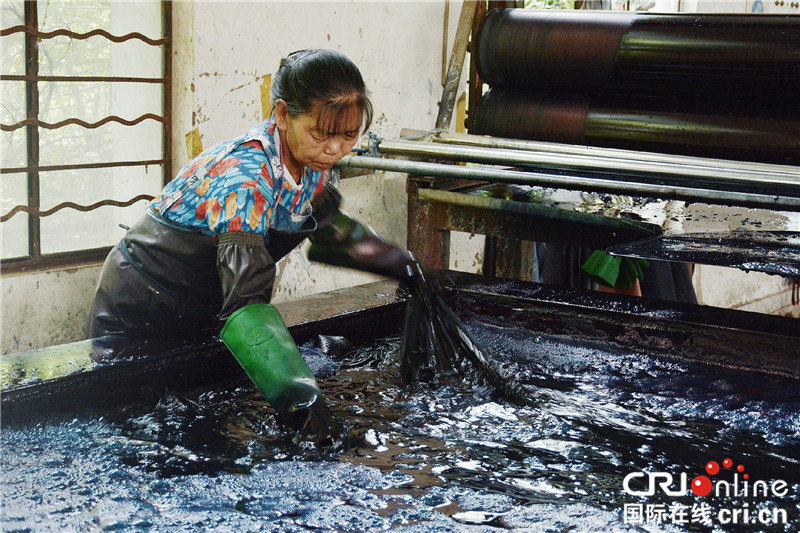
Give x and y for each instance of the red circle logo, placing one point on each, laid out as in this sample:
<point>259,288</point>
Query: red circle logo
<point>701,485</point>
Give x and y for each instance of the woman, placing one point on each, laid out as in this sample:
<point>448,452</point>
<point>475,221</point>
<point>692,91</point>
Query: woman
<point>204,254</point>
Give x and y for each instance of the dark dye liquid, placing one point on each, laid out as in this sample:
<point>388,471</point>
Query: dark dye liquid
<point>439,456</point>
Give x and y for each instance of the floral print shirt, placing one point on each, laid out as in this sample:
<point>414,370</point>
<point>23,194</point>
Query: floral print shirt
<point>238,185</point>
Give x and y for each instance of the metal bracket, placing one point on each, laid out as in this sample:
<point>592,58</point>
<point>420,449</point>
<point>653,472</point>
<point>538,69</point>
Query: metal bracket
<point>373,144</point>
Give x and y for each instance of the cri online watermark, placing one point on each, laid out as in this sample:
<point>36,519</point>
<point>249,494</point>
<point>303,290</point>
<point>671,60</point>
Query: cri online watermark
<point>651,483</point>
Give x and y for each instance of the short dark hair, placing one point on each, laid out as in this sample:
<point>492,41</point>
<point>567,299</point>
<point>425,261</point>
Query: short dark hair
<point>326,78</point>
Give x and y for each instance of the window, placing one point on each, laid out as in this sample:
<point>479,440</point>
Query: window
<point>85,125</point>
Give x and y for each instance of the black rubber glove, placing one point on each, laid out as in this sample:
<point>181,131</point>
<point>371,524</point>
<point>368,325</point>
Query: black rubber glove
<point>343,241</point>
<point>348,243</point>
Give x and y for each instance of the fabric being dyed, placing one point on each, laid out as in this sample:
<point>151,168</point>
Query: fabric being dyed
<point>435,341</point>
<point>438,456</point>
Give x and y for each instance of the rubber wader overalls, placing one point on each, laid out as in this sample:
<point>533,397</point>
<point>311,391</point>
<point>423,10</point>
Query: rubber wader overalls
<point>166,279</point>
<point>163,279</point>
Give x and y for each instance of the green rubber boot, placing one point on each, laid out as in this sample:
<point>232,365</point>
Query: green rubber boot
<point>258,338</point>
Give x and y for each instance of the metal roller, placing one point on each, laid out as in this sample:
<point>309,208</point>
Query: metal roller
<point>705,129</point>
<point>724,56</point>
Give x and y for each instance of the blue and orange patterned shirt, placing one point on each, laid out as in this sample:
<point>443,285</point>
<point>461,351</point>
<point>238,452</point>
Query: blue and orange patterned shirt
<point>239,186</point>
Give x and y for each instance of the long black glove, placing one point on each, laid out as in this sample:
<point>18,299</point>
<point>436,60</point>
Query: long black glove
<point>343,241</point>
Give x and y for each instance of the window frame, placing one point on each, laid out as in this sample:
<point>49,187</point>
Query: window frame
<point>35,260</point>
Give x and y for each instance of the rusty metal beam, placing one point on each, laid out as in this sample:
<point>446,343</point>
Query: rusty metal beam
<point>36,77</point>
<point>110,164</point>
<point>41,35</point>
<point>449,211</point>
<point>428,243</point>
<point>32,106</point>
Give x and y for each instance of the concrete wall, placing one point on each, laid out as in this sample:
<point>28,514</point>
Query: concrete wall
<point>46,308</point>
<point>222,53</point>
<point>748,291</point>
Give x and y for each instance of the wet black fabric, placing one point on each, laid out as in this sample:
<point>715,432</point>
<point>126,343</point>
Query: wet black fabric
<point>662,280</point>
<point>669,281</point>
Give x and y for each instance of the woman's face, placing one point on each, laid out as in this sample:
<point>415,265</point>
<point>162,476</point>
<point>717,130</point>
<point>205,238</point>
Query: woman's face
<point>306,146</point>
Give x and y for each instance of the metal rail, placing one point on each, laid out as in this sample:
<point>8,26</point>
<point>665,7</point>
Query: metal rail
<point>592,184</point>
<point>716,173</point>
<point>609,153</point>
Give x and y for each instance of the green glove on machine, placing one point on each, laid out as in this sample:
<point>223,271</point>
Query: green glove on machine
<point>614,271</point>
<point>260,341</point>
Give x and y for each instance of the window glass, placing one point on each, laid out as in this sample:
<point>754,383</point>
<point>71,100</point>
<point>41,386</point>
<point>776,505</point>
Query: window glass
<point>99,121</point>
<point>70,229</point>
<point>117,17</point>
<point>97,56</point>
<point>94,101</point>
<point>14,236</point>
<point>112,142</point>
<point>12,13</point>
<point>12,48</point>
<point>78,16</point>
<point>13,144</point>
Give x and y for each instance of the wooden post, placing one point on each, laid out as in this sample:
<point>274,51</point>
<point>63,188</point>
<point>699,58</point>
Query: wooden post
<point>456,64</point>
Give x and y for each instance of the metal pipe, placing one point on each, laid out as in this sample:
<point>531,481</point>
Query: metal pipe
<point>499,175</point>
<point>466,139</point>
<point>712,175</point>
<point>32,106</point>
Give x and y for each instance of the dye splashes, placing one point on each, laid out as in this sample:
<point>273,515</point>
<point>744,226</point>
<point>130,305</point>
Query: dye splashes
<point>438,456</point>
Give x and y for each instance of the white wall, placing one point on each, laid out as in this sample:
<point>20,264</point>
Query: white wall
<point>747,291</point>
<point>221,53</point>
<point>221,59</point>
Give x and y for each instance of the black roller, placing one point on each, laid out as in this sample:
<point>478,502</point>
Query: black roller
<point>702,129</point>
<point>743,56</point>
